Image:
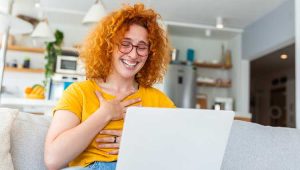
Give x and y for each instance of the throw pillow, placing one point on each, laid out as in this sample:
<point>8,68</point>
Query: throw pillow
<point>7,117</point>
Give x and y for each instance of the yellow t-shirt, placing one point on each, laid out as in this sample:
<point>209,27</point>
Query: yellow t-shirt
<point>80,99</point>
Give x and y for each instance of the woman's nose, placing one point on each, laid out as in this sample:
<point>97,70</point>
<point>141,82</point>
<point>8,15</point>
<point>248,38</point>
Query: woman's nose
<point>133,53</point>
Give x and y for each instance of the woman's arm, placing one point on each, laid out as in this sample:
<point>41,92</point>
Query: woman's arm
<point>67,137</point>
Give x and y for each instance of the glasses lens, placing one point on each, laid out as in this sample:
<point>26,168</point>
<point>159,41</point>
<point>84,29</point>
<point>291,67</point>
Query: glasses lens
<point>142,50</point>
<point>126,47</point>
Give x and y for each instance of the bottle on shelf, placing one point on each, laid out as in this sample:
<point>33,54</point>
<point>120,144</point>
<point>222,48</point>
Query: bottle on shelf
<point>228,58</point>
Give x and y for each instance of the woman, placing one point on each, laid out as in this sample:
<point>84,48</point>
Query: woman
<point>124,55</point>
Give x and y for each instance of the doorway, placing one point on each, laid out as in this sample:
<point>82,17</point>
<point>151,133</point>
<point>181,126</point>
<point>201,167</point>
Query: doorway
<point>272,88</point>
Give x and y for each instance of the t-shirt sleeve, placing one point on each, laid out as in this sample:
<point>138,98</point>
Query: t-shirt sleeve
<point>71,100</point>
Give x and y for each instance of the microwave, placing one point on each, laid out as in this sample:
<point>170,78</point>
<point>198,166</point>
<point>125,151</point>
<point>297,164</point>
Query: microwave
<point>69,65</point>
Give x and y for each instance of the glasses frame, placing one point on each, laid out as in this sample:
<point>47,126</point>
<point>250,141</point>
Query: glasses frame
<point>136,49</point>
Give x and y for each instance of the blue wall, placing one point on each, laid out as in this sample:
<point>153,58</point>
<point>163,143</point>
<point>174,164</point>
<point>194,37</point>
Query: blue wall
<point>273,31</point>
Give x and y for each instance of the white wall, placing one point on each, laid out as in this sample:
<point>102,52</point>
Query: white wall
<point>72,35</point>
<point>274,31</point>
<point>297,55</point>
<point>205,48</point>
<point>240,76</point>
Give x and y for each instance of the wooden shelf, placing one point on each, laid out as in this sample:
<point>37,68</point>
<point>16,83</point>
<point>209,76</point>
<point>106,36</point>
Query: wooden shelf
<point>216,66</point>
<point>25,49</point>
<point>247,119</point>
<point>24,70</point>
<point>222,85</point>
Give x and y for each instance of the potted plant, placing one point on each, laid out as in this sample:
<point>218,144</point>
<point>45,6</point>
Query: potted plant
<point>26,63</point>
<point>52,50</point>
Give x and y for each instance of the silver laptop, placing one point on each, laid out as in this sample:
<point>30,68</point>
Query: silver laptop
<point>174,139</point>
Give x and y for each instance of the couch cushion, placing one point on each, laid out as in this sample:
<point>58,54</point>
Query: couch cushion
<point>6,121</point>
<point>252,146</point>
<point>27,136</point>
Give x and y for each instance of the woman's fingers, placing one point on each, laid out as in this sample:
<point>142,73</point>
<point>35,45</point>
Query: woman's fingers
<point>111,132</point>
<point>108,146</point>
<point>114,152</point>
<point>99,96</point>
<point>106,140</point>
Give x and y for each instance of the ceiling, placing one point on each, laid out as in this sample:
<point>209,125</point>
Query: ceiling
<point>272,62</point>
<point>236,13</point>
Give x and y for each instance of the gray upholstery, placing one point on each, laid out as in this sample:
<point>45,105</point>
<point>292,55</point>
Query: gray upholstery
<point>251,146</point>
<point>27,141</point>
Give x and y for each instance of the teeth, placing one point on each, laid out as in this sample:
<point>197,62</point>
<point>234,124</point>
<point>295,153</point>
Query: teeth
<point>128,63</point>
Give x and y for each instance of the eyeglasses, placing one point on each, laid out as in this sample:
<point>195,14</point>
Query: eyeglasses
<point>126,47</point>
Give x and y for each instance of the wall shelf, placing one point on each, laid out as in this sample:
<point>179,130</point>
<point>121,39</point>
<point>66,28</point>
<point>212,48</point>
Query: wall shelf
<point>25,49</point>
<point>221,85</point>
<point>24,70</point>
<point>210,65</point>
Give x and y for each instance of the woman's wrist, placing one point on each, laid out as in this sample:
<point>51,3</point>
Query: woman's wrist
<point>104,114</point>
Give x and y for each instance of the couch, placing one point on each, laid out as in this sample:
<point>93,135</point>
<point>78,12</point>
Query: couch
<point>250,146</point>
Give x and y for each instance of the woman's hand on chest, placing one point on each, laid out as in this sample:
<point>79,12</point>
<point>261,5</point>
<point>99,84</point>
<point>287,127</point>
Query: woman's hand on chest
<point>110,142</point>
<point>116,108</point>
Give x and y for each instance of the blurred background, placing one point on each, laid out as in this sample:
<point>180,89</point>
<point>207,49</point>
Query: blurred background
<point>226,54</point>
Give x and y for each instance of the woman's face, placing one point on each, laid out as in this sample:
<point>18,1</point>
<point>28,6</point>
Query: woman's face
<point>132,52</point>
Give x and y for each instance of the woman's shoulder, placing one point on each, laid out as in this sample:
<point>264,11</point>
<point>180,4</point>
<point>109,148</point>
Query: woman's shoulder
<point>152,91</point>
<point>156,97</point>
<point>80,86</point>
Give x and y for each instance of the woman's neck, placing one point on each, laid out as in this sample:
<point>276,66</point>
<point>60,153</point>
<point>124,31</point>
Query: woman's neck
<point>117,84</point>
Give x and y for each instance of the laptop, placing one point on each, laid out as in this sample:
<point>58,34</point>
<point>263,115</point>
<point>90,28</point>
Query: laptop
<point>174,139</point>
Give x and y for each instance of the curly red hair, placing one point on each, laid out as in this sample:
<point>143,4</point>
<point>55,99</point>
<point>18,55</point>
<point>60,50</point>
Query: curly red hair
<point>98,48</point>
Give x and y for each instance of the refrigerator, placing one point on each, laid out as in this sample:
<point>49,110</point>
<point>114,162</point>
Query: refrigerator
<point>180,84</point>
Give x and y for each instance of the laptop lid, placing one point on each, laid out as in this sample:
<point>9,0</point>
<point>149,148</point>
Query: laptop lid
<point>177,139</point>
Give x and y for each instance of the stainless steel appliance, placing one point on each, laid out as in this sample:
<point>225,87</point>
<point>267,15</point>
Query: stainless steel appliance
<point>59,82</point>
<point>180,85</point>
<point>68,63</point>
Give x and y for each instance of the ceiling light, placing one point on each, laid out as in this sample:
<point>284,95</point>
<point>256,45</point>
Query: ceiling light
<point>14,24</point>
<point>37,4</point>
<point>43,31</point>
<point>219,23</point>
<point>95,13</point>
<point>283,56</point>
<point>208,32</point>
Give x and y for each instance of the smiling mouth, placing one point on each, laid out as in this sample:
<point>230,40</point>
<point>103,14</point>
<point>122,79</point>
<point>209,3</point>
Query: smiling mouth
<point>128,63</point>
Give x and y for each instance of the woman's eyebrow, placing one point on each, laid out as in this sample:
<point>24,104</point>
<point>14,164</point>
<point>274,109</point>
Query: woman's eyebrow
<point>140,42</point>
<point>143,42</point>
<point>127,39</point>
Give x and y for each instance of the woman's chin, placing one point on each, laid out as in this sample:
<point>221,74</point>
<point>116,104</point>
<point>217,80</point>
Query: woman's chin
<point>127,75</point>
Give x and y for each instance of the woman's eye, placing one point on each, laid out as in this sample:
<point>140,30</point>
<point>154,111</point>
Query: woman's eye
<point>125,44</point>
<point>142,47</point>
